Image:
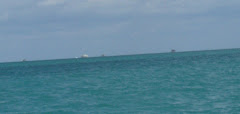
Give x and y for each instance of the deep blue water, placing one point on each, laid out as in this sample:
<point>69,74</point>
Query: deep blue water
<point>190,82</point>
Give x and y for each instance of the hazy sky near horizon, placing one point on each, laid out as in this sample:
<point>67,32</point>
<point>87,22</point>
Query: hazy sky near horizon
<point>50,29</point>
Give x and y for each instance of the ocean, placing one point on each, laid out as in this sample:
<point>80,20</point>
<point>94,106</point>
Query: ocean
<point>184,82</point>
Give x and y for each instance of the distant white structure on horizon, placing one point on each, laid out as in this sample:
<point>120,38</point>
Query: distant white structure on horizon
<point>84,56</point>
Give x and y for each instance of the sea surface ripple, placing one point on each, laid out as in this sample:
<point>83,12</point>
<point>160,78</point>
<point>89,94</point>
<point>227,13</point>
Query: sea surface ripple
<point>189,82</point>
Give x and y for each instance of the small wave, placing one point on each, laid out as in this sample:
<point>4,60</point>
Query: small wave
<point>2,102</point>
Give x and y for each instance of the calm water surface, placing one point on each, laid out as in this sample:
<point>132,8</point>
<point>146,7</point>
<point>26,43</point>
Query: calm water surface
<point>192,82</point>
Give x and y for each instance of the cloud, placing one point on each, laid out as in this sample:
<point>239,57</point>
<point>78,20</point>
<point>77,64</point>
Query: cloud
<point>140,6</point>
<point>51,2</point>
<point>115,7</point>
<point>114,23</point>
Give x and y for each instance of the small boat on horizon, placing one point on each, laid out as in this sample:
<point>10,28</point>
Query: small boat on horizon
<point>84,56</point>
<point>173,51</point>
<point>24,60</point>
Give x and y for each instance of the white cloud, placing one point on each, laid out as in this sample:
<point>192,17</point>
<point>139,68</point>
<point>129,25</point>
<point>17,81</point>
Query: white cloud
<point>51,2</point>
<point>149,6</point>
<point>117,6</point>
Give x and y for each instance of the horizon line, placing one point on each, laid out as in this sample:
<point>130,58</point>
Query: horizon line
<point>117,55</point>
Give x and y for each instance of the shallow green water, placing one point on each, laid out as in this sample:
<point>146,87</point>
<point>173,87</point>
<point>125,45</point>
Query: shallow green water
<point>192,82</point>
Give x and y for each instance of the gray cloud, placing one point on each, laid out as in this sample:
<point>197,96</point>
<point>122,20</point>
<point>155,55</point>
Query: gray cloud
<point>140,6</point>
<point>142,25</point>
<point>26,8</point>
<point>117,6</point>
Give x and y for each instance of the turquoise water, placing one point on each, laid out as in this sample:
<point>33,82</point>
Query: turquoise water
<point>191,82</point>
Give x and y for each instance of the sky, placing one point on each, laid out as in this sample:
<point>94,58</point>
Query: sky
<point>54,29</point>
